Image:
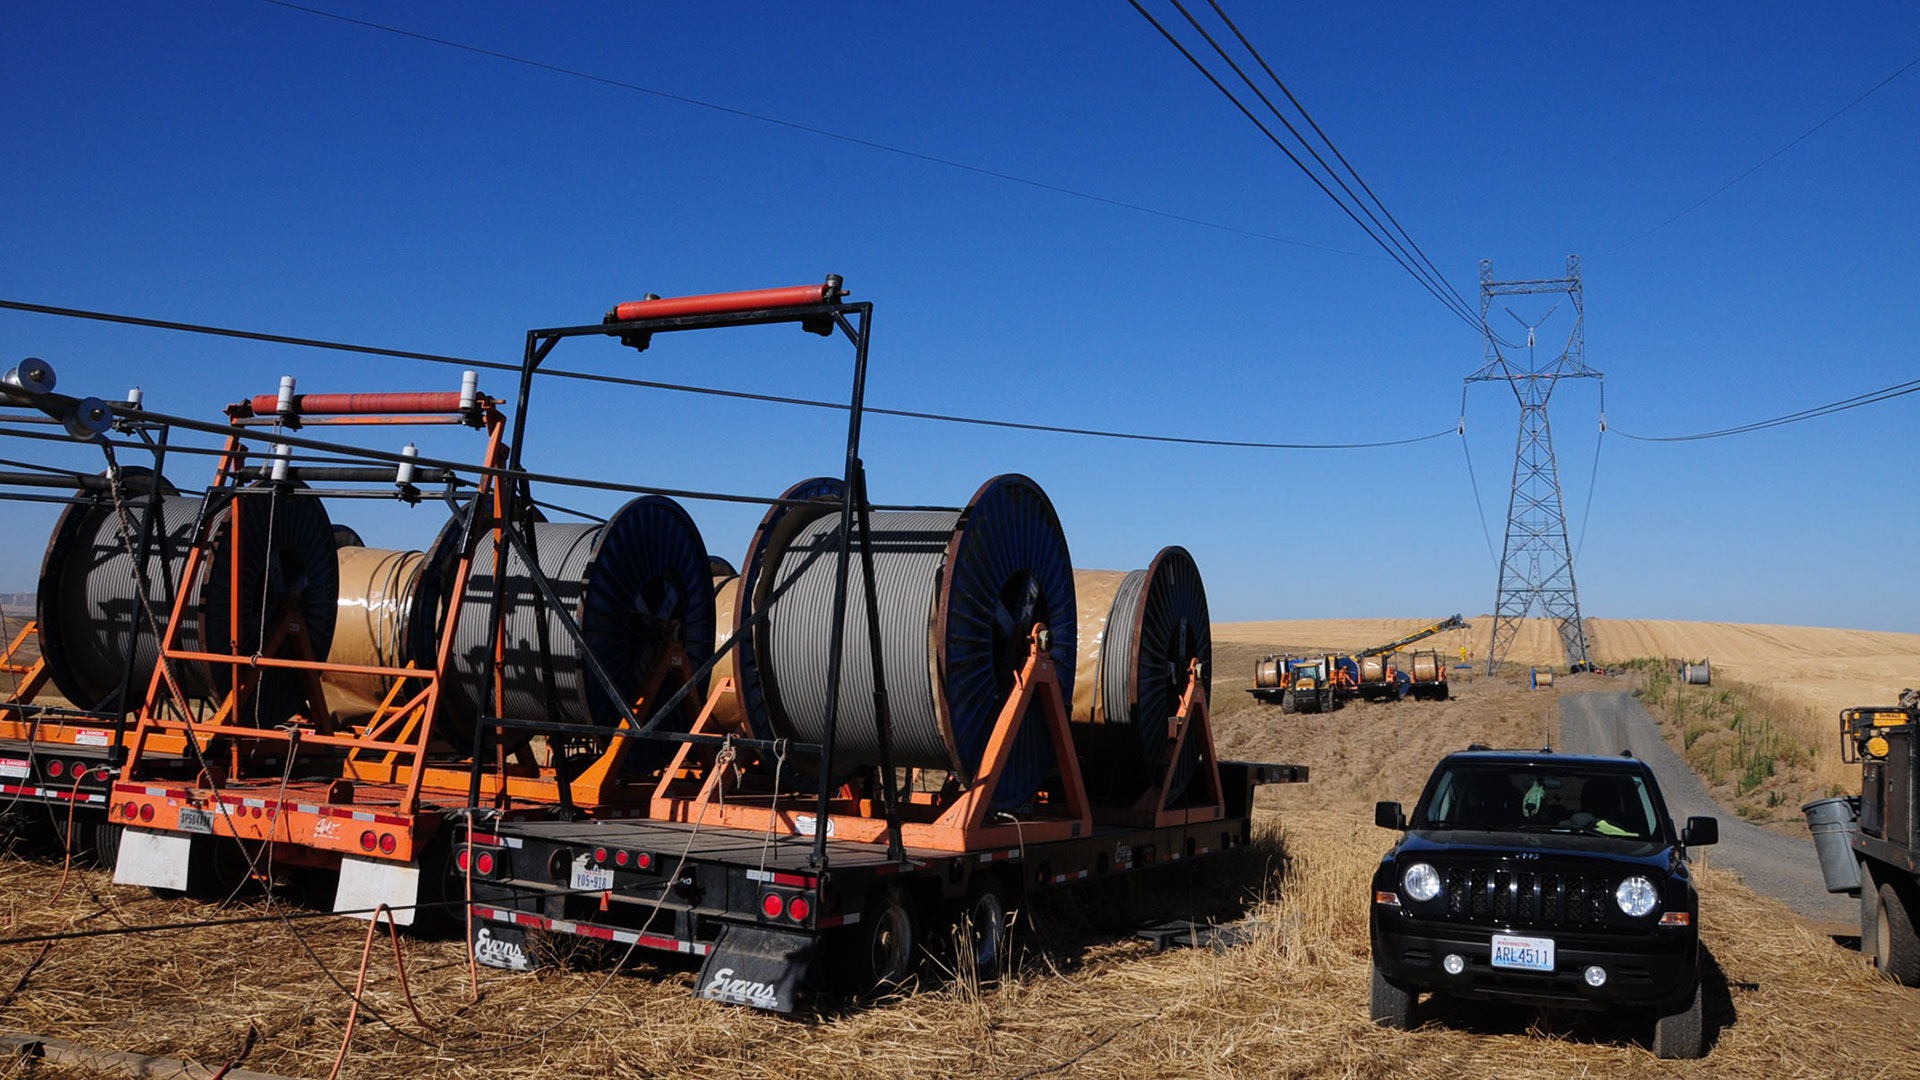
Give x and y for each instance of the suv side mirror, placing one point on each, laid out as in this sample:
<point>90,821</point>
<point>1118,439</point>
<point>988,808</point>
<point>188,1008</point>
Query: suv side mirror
<point>1388,815</point>
<point>1700,832</point>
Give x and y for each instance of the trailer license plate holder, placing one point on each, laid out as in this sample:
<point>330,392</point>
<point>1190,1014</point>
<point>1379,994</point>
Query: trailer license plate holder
<point>589,879</point>
<point>1522,953</point>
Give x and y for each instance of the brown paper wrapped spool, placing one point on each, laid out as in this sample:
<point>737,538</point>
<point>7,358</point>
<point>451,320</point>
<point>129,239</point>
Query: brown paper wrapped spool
<point>376,602</point>
<point>1093,592</point>
<point>1426,667</point>
<point>726,597</point>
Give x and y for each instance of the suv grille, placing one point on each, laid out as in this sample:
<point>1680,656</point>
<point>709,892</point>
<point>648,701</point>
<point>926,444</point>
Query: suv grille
<point>1526,897</point>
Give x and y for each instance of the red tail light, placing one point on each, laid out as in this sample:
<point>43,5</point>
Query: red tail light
<point>771,905</point>
<point>644,861</point>
<point>799,909</point>
<point>484,863</point>
<point>600,855</point>
<point>368,840</point>
<point>79,770</point>
<point>146,811</point>
<point>460,861</point>
<point>130,811</point>
<point>621,858</point>
<point>388,843</point>
<point>55,768</point>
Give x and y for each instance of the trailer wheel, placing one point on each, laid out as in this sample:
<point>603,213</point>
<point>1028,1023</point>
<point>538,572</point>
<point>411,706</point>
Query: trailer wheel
<point>879,952</point>
<point>1896,949</point>
<point>1391,1006</point>
<point>1869,915</point>
<point>1441,693</point>
<point>1682,1034</point>
<point>985,929</point>
<point>106,844</point>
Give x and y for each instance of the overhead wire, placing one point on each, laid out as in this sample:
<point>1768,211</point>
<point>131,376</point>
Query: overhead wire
<point>1765,161</point>
<point>650,384</point>
<point>1452,303</point>
<point>810,129</point>
<point>1871,397</point>
<point>1259,58</point>
<point>1479,505</point>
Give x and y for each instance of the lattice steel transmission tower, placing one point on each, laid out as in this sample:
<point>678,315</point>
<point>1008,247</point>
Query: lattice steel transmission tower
<point>1536,567</point>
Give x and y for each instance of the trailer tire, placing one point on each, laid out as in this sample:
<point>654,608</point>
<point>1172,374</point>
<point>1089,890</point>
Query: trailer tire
<point>105,840</point>
<point>1869,915</point>
<point>881,951</point>
<point>1896,947</point>
<point>985,926</point>
<point>1683,1034</point>
<point>1392,1007</point>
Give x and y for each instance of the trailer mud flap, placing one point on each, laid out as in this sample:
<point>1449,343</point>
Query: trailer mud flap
<point>501,946</point>
<point>156,860</point>
<point>753,966</point>
<point>365,884</point>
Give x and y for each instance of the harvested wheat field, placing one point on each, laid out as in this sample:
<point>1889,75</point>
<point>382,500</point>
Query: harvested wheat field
<point>1820,668</point>
<point>1292,1002</point>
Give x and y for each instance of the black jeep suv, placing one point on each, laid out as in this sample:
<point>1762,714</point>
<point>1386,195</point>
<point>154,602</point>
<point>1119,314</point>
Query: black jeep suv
<point>1542,879</point>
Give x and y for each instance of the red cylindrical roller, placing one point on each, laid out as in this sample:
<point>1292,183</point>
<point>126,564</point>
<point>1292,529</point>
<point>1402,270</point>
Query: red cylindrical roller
<point>361,404</point>
<point>720,303</point>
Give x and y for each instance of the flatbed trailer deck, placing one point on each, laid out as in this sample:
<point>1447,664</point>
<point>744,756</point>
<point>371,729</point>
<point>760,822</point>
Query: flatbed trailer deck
<point>757,907</point>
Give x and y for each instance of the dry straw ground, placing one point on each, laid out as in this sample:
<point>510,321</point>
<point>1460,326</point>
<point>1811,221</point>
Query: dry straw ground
<point>1291,1003</point>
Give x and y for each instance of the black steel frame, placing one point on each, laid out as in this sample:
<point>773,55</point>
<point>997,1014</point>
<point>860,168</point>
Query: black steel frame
<point>854,322</point>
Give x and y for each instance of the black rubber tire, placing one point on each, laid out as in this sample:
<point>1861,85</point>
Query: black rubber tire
<point>1392,1007</point>
<point>1896,947</point>
<point>1683,1034</point>
<point>1869,914</point>
<point>881,951</point>
<point>1287,704</point>
<point>104,838</point>
<point>984,927</point>
<point>1441,693</point>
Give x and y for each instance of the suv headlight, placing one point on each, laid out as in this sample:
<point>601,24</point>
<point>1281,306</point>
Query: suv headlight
<point>1636,896</point>
<point>1422,882</point>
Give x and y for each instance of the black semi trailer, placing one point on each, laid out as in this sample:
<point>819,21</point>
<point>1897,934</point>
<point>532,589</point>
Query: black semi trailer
<point>763,915</point>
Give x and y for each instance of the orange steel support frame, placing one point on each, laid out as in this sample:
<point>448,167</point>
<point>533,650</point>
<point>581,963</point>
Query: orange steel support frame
<point>328,816</point>
<point>55,724</point>
<point>721,790</point>
<point>599,790</point>
<point>1205,799</point>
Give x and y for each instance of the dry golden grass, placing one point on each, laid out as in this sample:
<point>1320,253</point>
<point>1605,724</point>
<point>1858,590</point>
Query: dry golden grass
<point>1290,1003</point>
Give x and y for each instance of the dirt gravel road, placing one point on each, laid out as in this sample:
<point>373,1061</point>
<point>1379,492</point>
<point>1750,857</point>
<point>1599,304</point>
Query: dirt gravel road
<point>1782,867</point>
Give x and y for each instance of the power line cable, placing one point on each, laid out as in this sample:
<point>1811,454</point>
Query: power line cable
<point>1765,161</point>
<point>1872,397</point>
<point>649,384</point>
<point>1479,505</point>
<point>1401,252</point>
<point>855,140</point>
<point>1342,158</point>
<point>1283,148</point>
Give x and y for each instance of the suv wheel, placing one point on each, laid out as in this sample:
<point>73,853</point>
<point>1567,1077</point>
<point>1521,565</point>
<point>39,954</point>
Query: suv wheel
<point>1896,948</point>
<point>1682,1034</point>
<point>1393,1007</point>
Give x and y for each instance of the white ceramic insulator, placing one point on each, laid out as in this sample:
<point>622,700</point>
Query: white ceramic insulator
<point>404,478</point>
<point>469,390</point>
<point>282,455</point>
<point>135,398</point>
<point>285,405</point>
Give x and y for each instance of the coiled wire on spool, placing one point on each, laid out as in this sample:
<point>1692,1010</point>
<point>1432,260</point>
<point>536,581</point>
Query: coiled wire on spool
<point>377,589</point>
<point>775,532</point>
<point>957,596</point>
<point>633,585</point>
<point>91,614</point>
<point>88,606</point>
<point>1156,624</point>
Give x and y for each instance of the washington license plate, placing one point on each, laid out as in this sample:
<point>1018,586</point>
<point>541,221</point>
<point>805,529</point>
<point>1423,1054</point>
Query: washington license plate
<point>1524,953</point>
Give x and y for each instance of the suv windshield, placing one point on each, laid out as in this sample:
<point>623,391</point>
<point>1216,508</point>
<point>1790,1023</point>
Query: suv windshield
<point>1522,798</point>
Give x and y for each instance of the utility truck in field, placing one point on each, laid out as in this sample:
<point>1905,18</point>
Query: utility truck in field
<point>1868,845</point>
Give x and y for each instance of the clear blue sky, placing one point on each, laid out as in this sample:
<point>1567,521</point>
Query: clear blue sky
<point>238,163</point>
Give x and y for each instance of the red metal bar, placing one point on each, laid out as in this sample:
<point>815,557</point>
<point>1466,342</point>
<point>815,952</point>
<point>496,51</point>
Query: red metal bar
<point>430,401</point>
<point>718,303</point>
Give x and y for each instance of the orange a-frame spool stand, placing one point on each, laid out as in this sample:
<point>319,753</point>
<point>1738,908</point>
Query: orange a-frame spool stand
<point>1205,797</point>
<point>701,785</point>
